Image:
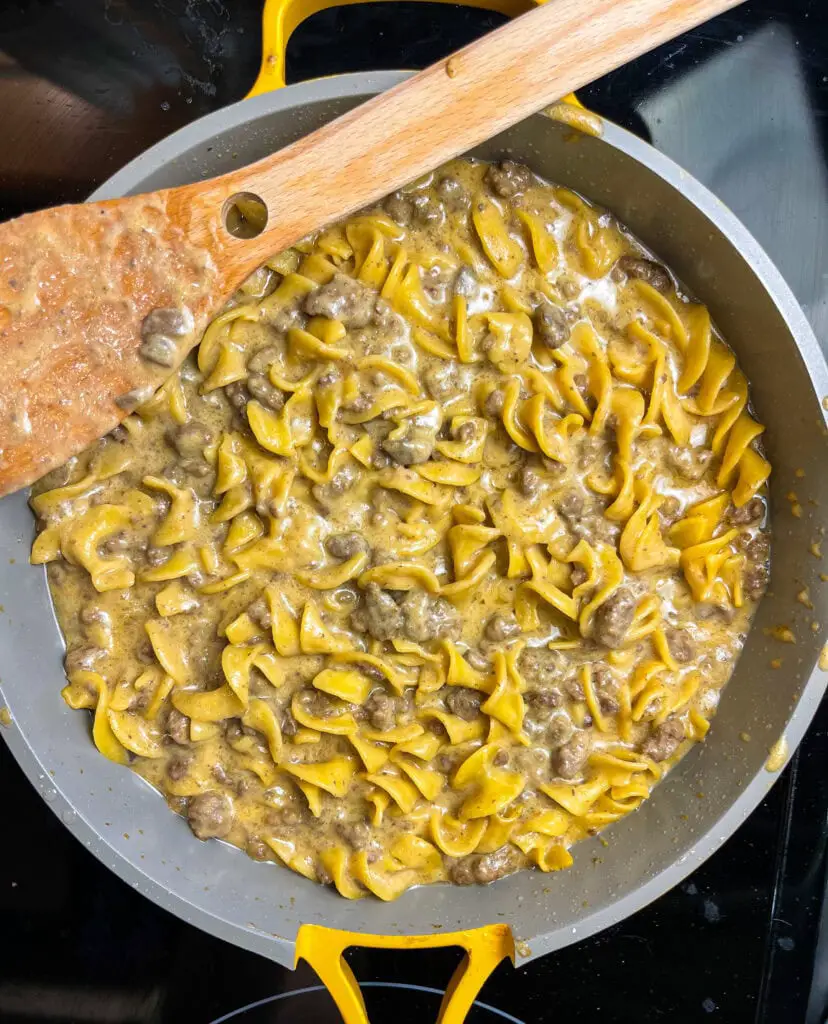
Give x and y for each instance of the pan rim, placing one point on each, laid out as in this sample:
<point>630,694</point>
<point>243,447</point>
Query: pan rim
<point>280,948</point>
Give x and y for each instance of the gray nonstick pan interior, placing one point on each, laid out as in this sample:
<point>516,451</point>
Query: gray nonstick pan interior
<point>261,906</point>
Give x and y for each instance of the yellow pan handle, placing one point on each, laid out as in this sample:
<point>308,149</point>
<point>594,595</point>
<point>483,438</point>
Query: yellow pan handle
<point>485,947</point>
<point>281,17</point>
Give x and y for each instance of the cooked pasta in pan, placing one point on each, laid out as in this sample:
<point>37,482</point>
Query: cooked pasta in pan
<point>436,557</point>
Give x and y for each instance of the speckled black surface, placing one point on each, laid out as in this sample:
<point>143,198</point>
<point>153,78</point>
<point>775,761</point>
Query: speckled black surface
<point>87,84</point>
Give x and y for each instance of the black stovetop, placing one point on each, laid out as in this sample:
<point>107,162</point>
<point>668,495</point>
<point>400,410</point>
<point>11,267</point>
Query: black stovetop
<point>742,103</point>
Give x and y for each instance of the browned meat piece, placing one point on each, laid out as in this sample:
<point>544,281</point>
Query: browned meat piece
<point>178,727</point>
<point>568,286</point>
<point>175,473</point>
<point>540,704</point>
<point>681,644</point>
<point>260,613</point>
<point>578,575</point>
<point>263,391</point>
<point>751,512</point>
<point>477,660</point>
<point>670,510</point>
<point>399,208</point>
<point>560,730</point>
<point>379,614</point>
<point>427,210</point>
<point>553,468</point>
<point>288,723</point>
<point>346,545</point>
<point>664,740</point>
<point>645,270</point>
<point>483,868</point>
<point>530,482</point>
<point>385,317</point>
<point>758,549</point>
<point>614,618</point>
<point>427,617</point>
<point>553,325</point>
<point>158,348</point>
<point>117,542</point>
<point>571,506</point>
<point>508,179</point>
<point>501,758</point>
<point>237,395</point>
<point>190,439</point>
<point>196,467</point>
<point>362,403</point>
<point>447,763</point>
<point>343,299</point>
<point>315,702</point>
<point>493,406</point>
<point>233,730</point>
<point>257,849</point>
<point>572,756</point>
<point>286,818</point>
<point>92,615</point>
<point>371,672</point>
<point>572,686</point>
<point>501,627</point>
<point>382,710</point>
<point>453,194</point>
<point>157,556</point>
<point>177,768</point>
<point>464,702</point>
<point>210,815</point>
<point>326,494</point>
<point>757,570</point>
<point>263,359</point>
<point>443,380</point>
<point>83,657</point>
<point>281,320</point>
<point>414,447</point>
<point>360,836</point>
<point>606,689</point>
<point>691,463</point>
<point>329,376</point>
<point>531,762</point>
<point>170,321</point>
<point>540,667</point>
<point>379,460</point>
<point>756,580</point>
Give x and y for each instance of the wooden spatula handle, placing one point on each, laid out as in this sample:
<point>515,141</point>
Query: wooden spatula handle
<point>446,109</point>
<point>79,285</point>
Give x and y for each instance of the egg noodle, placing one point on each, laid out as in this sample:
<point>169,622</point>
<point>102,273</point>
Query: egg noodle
<point>438,555</point>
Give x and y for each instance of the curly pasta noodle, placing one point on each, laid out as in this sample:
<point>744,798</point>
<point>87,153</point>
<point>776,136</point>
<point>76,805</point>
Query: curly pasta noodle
<point>435,558</point>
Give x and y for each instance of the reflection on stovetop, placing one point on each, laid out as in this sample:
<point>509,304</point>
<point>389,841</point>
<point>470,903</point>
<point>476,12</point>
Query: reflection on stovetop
<point>741,103</point>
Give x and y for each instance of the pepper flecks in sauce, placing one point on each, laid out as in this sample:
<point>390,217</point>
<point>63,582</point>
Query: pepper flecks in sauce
<point>439,554</point>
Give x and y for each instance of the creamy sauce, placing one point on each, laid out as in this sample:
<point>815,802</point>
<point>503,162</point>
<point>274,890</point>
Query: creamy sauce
<point>777,755</point>
<point>435,559</point>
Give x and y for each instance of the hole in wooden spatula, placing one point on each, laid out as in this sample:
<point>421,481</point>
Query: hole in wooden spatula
<point>245,215</point>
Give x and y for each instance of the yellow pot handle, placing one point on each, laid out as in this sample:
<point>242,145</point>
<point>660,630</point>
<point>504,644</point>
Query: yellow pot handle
<point>485,947</point>
<point>281,17</point>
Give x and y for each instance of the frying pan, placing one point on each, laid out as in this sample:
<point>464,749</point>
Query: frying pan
<point>280,915</point>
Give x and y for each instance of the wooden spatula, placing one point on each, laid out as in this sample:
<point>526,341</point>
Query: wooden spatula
<point>100,302</point>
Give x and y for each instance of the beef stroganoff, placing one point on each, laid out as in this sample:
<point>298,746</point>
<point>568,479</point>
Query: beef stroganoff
<point>436,557</point>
